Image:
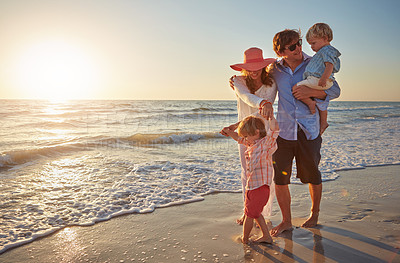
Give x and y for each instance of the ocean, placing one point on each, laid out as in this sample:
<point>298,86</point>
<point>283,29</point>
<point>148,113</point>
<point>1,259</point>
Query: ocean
<point>82,162</point>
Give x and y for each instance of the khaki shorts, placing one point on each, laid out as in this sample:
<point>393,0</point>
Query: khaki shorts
<point>312,82</point>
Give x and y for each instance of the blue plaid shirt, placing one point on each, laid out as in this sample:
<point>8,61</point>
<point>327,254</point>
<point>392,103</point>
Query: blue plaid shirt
<point>292,112</point>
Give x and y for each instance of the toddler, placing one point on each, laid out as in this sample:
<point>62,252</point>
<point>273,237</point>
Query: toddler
<point>319,71</point>
<point>261,144</point>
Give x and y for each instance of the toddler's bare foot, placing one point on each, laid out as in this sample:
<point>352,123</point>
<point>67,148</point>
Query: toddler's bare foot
<point>312,221</point>
<point>283,226</point>
<point>264,239</point>
<point>311,105</point>
<point>239,221</point>
<point>244,241</point>
<point>323,127</point>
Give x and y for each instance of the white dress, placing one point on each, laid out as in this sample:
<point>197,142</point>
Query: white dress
<point>248,104</point>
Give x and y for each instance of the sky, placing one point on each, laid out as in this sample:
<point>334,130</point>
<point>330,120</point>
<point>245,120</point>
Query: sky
<point>182,49</point>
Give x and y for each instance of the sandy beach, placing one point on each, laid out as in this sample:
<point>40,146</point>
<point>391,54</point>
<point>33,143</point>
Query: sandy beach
<point>111,115</point>
<point>359,222</point>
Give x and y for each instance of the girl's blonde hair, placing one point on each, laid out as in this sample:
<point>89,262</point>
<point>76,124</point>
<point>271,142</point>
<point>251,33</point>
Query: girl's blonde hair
<point>249,125</point>
<point>320,30</point>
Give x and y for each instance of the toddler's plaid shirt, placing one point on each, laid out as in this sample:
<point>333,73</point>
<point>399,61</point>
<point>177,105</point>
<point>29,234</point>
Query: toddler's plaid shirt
<point>259,167</point>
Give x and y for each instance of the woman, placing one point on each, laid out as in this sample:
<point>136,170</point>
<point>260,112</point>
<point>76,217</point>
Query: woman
<point>255,89</point>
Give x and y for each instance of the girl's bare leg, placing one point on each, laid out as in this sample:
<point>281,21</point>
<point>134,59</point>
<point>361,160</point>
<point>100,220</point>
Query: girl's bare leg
<point>266,237</point>
<point>247,227</point>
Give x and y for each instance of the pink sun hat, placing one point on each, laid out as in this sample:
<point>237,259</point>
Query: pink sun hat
<point>253,60</point>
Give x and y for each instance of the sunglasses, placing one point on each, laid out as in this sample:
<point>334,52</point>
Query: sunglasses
<point>293,47</point>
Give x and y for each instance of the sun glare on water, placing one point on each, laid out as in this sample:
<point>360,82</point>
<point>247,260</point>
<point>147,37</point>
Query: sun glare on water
<point>56,70</point>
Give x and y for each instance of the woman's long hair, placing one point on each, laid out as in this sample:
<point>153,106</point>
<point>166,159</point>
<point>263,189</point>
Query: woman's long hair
<point>266,79</point>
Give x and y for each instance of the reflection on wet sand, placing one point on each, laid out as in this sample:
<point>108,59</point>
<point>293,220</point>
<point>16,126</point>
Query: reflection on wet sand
<point>322,244</point>
<point>68,248</point>
<point>319,252</point>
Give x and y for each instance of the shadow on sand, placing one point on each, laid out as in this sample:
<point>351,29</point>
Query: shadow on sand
<point>321,244</point>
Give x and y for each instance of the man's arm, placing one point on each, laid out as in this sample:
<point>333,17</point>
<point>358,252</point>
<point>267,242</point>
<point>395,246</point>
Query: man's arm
<point>322,96</point>
<point>303,92</point>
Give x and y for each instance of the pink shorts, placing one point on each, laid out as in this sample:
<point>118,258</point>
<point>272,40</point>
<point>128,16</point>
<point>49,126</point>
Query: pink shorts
<point>255,201</point>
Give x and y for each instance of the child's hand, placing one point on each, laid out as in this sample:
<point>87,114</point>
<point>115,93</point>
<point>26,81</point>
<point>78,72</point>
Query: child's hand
<point>233,126</point>
<point>273,124</point>
<point>322,82</point>
<point>225,131</point>
<point>228,132</point>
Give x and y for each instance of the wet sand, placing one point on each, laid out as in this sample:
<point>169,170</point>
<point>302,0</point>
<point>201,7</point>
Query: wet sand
<point>359,222</point>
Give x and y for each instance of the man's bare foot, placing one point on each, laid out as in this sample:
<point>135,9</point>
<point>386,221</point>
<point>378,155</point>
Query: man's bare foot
<point>264,239</point>
<point>283,226</point>
<point>323,127</point>
<point>312,221</point>
<point>240,221</point>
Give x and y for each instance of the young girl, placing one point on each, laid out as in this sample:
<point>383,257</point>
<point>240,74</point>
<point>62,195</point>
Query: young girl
<point>261,144</point>
<point>319,72</point>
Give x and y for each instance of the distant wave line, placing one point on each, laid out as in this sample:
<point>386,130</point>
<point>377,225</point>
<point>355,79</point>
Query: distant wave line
<point>356,108</point>
<point>21,156</point>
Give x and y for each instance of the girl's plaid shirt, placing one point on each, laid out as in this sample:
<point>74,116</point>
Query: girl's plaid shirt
<point>259,166</point>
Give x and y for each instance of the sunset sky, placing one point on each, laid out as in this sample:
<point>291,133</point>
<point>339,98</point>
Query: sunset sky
<point>182,49</point>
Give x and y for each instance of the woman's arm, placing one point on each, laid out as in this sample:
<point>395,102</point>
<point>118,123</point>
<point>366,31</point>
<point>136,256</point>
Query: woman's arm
<point>244,94</point>
<point>265,108</point>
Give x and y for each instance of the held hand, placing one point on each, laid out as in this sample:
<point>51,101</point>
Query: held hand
<point>267,111</point>
<point>302,92</point>
<point>273,124</point>
<point>231,82</point>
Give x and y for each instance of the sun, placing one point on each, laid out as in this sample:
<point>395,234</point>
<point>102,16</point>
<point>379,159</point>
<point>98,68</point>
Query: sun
<point>56,70</point>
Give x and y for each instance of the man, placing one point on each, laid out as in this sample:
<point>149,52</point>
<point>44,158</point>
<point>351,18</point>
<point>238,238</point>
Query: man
<point>300,130</point>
